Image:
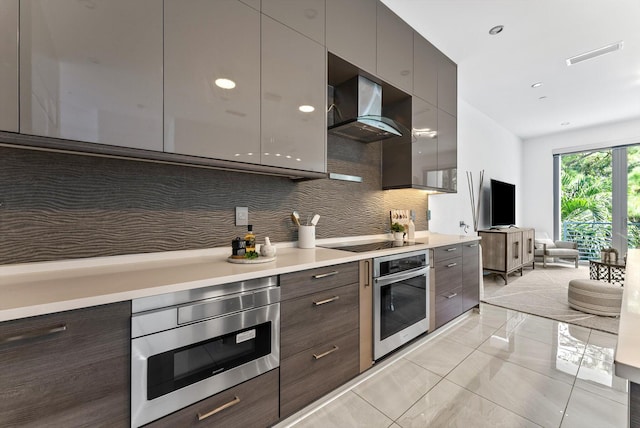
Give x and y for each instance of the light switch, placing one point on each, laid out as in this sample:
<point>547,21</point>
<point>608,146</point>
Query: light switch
<point>242,216</point>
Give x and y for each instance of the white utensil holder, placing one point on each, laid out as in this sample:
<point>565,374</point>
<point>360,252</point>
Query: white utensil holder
<point>306,236</point>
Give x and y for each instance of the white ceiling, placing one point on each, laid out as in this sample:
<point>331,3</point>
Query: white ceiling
<point>495,73</point>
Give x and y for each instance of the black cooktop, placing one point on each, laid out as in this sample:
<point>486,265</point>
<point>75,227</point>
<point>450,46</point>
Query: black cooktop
<point>357,247</point>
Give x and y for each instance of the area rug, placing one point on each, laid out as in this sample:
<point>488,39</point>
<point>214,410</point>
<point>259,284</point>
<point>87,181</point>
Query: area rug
<point>543,292</point>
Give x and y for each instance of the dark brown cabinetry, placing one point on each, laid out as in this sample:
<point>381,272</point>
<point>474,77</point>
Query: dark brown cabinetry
<point>457,280</point>
<point>351,32</point>
<point>253,403</point>
<point>9,65</point>
<point>67,369</point>
<point>507,250</point>
<point>395,49</point>
<point>319,333</point>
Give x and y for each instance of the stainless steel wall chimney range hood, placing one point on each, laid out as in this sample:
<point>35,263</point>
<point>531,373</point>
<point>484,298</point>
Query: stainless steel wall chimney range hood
<point>357,112</point>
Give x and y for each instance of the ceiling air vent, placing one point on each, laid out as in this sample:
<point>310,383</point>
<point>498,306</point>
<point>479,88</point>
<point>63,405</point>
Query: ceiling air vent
<point>594,53</point>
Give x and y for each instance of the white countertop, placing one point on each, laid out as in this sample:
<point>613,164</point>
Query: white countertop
<point>627,356</point>
<point>31,289</point>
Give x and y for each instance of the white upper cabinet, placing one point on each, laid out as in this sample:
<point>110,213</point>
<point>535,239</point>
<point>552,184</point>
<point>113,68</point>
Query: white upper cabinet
<point>91,70</point>
<point>395,49</point>
<point>304,16</point>
<point>205,41</point>
<point>9,65</point>
<point>293,102</point>
<point>351,31</point>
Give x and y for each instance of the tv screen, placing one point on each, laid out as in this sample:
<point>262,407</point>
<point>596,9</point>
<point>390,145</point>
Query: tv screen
<point>503,203</point>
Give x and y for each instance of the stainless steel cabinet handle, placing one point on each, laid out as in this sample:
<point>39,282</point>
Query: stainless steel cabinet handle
<point>472,245</point>
<point>324,275</point>
<point>34,334</point>
<point>452,264</point>
<point>322,302</point>
<point>231,403</point>
<point>324,354</point>
<point>451,249</point>
<point>368,264</point>
<point>451,296</point>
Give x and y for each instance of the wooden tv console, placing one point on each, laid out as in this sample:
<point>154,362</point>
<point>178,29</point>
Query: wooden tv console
<point>507,250</point>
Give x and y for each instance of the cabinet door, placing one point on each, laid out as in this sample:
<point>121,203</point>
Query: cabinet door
<point>304,16</point>
<point>351,31</point>
<point>68,369</point>
<point>394,50</point>
<point>206,41</point>
<point>293,103</point>
<point>92,71</point>
<point>514,250</point>
<point>424,144</point>
<point>448,150</point>
<point>425,69</point>
<point>528,236</point>
<point>9,65</point>
<point>447,85</point>
<point>470,275</point>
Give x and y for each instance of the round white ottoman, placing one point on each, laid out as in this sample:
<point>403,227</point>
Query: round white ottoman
<point>595,297</point>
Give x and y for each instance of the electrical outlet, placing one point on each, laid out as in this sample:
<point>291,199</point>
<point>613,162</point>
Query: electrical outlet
<point>242,216</point>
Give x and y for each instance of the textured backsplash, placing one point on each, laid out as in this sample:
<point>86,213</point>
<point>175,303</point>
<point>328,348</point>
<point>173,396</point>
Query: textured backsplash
<point>61,206</point>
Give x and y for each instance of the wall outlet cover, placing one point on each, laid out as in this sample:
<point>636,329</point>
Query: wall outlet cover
<point>242,216</point>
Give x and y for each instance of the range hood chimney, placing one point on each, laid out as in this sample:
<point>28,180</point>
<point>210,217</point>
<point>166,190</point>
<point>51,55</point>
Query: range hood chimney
<point>357,112</point>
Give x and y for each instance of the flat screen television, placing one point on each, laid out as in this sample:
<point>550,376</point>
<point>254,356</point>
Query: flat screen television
<point>503,203</point>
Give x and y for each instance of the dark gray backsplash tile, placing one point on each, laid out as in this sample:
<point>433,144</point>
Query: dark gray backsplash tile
<point>61,206</point>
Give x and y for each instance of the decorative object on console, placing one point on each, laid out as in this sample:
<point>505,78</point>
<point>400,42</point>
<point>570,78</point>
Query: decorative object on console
<point>398,231</point>
<point>475,207</point>
<point>609,255</point>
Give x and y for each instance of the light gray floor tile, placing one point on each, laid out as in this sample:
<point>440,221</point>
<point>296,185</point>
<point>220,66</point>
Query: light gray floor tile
<point>559,361</point>
<point>598,377</point>
<point>349,410</point>
<point>531,395</point>
<point>471,332</point>
<point>439,355</point>
<point>494,316</point>
<point>397,387</point>
<point>448,405</point>
<point>547,331</point>
<point>590,410</point>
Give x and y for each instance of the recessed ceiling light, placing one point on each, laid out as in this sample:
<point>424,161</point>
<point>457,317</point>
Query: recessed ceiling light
<point>496,30</point>
<point>225,83</point>
<point>306,108</point>
<point>536,85</point>
<point>565,123</point>
<point>594,53</point>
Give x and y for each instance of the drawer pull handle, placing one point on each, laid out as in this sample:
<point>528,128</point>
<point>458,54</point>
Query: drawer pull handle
<point>231,403</point>
<point>472,245</point>
<point>452,264</point>
<point>325,301</point>
<point>451,249</point>
<point>451,296</point>
<point>34,334</point>
<point>324,354</point>
<point>324,275</point>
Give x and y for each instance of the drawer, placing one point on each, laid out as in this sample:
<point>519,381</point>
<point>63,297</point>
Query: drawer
<point>253,403</point>
<point>470,249</point>
<point>310,320</point>
<point>305,282</point>
<point>305,377</point>
<point>448,274</point>
<point>447,252</point>
<point>448,306</point>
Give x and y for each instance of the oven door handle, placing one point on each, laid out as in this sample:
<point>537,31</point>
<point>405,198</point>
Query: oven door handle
<point>386,280</point>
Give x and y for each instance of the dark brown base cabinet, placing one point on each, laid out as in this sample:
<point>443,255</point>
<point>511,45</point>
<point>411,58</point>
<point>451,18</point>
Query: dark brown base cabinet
<point>457,280</point>
<point>69,369</point>
<point>253,403</point>
<point>319,333</point>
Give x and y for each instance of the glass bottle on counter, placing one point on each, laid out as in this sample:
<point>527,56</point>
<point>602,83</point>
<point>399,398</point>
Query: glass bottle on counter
<point>250,239</point>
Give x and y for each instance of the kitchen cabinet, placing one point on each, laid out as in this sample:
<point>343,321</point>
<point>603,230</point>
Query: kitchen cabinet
<point>293,99</point>
<point>91,71</point>
<point>447,152</point>
<point>394,58</point>
<point>447,85</point>
<point>253,403</point>
<point>305,16</point>
<point>67,369</point>
<point>507,250</point>
<point>366,314</point>
<point>425,69</point>
<point>319,333</point>
<point>205,41</point>
<point>351,31</point>
<point>470,275</point>
<point>9,65</point>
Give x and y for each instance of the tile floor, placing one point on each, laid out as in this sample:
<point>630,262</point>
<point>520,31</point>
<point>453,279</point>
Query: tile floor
<point>496,368</point>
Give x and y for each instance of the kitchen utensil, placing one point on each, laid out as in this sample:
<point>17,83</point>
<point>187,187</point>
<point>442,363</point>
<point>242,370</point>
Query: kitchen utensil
<point>315,219</point>
<point>295,217</point>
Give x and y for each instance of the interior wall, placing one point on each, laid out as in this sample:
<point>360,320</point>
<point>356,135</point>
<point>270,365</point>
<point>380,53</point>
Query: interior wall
<point>538,168</point>
<point>482,145</point>
<point>59,206</point>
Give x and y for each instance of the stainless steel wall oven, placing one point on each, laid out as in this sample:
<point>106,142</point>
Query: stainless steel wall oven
<point>400,300</point>
<point>189,345</point>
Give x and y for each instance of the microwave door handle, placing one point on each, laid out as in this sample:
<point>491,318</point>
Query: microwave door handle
<point>386,280</point>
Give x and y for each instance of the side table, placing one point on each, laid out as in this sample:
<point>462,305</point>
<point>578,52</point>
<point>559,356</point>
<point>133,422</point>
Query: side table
<point>609,272</point>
